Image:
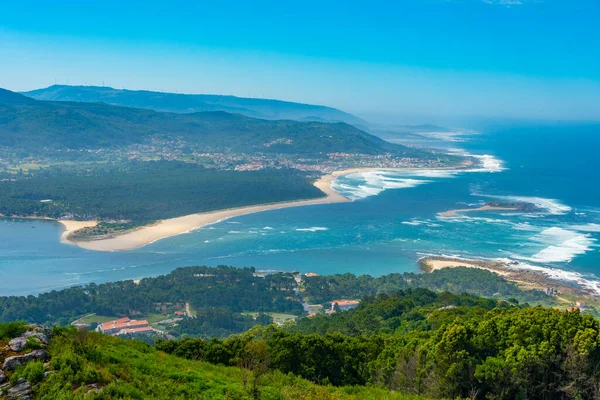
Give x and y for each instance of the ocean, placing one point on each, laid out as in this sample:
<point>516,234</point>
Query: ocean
<point>392,222</point>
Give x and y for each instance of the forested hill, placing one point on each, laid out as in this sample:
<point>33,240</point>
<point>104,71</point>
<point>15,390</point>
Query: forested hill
<point>36,126</point>
<point>189,103</point>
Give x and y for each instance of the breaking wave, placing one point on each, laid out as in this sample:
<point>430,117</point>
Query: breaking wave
<point>562,245</point>
<point>370,183</point>
<point>360,185</point>
<point>312,229</point>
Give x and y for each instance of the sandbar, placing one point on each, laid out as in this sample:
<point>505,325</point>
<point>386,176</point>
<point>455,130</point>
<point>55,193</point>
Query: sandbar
<point>453,213</point>
<point>175,226</point>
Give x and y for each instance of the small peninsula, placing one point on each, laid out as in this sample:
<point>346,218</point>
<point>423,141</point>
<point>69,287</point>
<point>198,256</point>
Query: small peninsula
<point>491,206</point>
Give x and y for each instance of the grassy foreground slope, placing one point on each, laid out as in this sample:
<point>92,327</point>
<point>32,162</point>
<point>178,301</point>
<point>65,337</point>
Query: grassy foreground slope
<point>133,370</point>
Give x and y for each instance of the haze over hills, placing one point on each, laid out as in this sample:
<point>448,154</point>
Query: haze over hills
<point>192,103</point>
<point>35,125</point>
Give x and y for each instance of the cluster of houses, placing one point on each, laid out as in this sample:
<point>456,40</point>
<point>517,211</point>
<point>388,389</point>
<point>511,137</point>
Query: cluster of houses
<point>125,326</point>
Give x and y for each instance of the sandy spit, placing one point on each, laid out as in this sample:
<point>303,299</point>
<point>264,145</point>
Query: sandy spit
<point>175,226</point>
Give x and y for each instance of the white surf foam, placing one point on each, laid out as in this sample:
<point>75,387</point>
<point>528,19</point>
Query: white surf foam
<point>525,226</point>
<point>361,185</point>
<point>562,245</point>
<point>417,222</point>
<point>312,229</point>
<point>489,163</point>
<point>413,223</point>
<point>590,227</point>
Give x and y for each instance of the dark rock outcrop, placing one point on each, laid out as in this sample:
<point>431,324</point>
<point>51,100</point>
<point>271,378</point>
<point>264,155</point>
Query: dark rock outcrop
<point>18,344</point>
<point>37,334</point>
<point>22,390</point>
<point>10,363</point>
<point>3,377</point>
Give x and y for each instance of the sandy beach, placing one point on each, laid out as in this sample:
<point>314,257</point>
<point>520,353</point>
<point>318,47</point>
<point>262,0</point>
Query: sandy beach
<point>175,226</point>
<point>72,226</point>
<point>434,264</point>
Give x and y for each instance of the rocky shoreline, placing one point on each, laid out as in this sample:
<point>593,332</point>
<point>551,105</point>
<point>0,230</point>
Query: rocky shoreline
<point>524,278</point>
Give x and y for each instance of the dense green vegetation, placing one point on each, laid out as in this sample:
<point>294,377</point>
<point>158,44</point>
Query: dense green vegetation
<point>321,289</point>
<point>395,343</point>
<point>437,345</point>
<point>188,103</point>
<point>221,296</point>
<point>88,365</point>
<point>218,297</point>
<point>144,192</point>
<point>39,126</point>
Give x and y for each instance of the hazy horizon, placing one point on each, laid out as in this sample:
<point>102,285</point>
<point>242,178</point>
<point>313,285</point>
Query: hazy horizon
<point>429,61</point>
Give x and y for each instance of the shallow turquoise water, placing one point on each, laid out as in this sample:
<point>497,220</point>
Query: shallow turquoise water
<point>392,223</point>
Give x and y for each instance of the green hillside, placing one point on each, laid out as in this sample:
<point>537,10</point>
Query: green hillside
<point>92,366</point>
<point>40,125</point>
<point>190,103</point>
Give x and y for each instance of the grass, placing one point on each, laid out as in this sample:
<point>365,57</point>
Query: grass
<point>278,318</point>
<point>134,370</point>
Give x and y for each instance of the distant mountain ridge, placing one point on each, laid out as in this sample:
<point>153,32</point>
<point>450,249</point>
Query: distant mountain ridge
<point>36,125</point>
<point>190,103</point>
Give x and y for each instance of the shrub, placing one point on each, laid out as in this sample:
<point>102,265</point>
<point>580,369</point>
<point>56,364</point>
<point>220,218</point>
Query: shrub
<point>32,373</point>
<point>10,330</point>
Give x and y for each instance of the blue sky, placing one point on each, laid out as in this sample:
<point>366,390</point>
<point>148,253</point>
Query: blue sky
<point>419,58</point>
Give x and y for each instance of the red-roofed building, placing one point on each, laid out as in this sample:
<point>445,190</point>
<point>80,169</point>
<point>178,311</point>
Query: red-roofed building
<point>118,326</point>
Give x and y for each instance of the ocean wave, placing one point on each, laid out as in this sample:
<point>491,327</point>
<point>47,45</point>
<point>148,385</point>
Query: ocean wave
<point>361,185</point>
<point>312,229</point>
<point>590,227</point>
<point>562,245</point>
<point>488,162</point>
<point>413,223</point>
<point>525,226</point>
<point>417,222</point>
